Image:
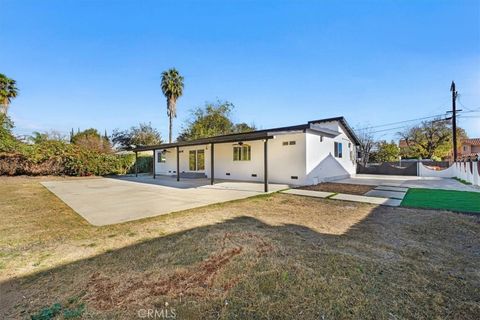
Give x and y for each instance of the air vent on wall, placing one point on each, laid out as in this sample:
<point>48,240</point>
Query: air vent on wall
<point>254,174</point>
<point>294,177</point>
<point>228,173</point>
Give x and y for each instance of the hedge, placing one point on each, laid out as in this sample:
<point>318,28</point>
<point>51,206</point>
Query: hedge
<point>61,158</point>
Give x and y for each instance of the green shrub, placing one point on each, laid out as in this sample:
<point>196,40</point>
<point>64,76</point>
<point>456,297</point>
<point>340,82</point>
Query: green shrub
<point>144,163</point>
<point>8,143</point>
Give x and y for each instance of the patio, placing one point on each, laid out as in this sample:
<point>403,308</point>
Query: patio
<point>104,201</point>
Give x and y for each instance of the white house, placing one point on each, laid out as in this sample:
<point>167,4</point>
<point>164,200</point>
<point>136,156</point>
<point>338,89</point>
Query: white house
<point>320,150</point>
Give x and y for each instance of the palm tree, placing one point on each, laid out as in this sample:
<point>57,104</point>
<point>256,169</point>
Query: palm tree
<point>8,91</point>
<point>172,88</point>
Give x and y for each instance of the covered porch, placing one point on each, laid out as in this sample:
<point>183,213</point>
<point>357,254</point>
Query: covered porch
<point>195,160</point>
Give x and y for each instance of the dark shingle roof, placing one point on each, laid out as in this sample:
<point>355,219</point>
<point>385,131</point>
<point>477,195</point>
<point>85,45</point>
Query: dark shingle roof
<point>249,136</point>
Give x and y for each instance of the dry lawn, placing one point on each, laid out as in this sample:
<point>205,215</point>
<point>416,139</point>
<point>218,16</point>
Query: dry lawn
<point>358,189</point>
<point>278,256</point>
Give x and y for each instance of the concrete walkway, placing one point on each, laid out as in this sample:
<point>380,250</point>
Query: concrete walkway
<point>104,201</point>
<point>408,182</point>
<point>386,201</point>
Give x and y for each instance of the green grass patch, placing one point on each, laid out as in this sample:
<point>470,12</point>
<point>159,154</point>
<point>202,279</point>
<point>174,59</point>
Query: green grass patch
<point>462,201</point>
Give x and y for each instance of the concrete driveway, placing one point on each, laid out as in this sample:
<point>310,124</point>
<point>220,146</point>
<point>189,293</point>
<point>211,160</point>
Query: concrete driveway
<point>408,182</point>
<point>104,201</point>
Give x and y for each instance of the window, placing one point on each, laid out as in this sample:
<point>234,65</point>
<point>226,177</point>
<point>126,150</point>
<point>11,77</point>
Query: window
<point>241,153</point>
<point>161,157</point>
<point>292,143</point>
<point>285,143</point>
<point>338,149</point>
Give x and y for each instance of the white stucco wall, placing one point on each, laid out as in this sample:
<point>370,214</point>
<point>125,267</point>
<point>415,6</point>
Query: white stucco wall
<point>283,161</point>
<point>321,164</point>
<point>288,161</point>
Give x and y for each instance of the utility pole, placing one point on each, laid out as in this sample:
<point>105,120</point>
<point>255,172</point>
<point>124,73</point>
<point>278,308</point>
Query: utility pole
<point>454,120</point>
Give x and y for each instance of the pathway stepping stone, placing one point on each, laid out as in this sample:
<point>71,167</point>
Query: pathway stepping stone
<point>385,194</point>
<point>309,193</point>
<point>392,188</point>
<point>372,200</point>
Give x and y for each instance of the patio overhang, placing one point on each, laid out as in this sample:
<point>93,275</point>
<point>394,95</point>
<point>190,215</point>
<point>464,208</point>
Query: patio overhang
<point>238,137</point>
<point>218,139</point>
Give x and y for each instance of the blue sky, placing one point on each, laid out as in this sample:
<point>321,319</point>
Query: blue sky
<point>82,64</point>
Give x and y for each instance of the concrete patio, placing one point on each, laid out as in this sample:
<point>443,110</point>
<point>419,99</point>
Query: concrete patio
<point>104,201</point>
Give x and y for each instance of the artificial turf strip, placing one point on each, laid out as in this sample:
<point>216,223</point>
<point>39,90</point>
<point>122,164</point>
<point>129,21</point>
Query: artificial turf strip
<point>462,201</point>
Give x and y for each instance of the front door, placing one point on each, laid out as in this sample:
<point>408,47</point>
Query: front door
<point>196,160</point>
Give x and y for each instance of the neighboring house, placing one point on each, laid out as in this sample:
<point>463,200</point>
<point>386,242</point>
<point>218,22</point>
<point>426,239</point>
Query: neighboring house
<point>469,148</point>
<point>320,150</point>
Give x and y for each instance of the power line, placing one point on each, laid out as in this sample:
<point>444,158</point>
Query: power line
<point>399,122</point>
<point>390,129</point>
<point>411,120</point>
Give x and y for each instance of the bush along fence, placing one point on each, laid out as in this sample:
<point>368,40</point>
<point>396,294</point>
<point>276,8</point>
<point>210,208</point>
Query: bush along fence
<point>467,171</point>
<point>60,158</point>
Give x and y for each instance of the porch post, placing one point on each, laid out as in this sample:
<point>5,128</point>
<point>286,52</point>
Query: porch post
<point>265,164</point>
<point>212,164</point>
<point>178,163</point>
<point>153,165</point>
<point>136,164</point>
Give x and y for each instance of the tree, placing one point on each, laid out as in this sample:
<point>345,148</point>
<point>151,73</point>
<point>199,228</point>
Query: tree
<point>385,152</point>
<point>39,137</point>
<point>212,120</point>
<point>8,91</point>
<point>8,142</point>
<point>172,88</point>
<point>142,135</point>
<point>91,139</point>
<point>367,143</point>
<point>430,139</point>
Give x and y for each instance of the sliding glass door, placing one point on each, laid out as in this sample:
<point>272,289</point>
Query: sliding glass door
<point>196,160</point>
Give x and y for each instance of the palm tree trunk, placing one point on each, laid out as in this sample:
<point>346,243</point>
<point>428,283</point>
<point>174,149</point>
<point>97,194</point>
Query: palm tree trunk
<point>170,130</point>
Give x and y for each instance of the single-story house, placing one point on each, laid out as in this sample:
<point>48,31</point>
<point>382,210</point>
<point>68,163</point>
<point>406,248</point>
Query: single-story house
<point>320,150</point>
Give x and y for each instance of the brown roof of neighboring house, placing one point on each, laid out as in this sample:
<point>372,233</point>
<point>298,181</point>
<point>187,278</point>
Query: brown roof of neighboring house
<point>473,142</point>
<point>402,143</point>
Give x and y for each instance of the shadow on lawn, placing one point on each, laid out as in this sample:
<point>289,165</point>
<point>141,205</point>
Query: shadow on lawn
<point>248,268</point>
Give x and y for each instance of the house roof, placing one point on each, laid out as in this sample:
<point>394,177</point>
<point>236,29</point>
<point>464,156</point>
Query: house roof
<point>253,135</point>
<point>402,143</point>
<point>473,142</point>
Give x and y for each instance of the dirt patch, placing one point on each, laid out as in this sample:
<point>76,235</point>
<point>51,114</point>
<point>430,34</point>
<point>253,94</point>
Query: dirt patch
<point>105,293</point>
<point>358,189</point>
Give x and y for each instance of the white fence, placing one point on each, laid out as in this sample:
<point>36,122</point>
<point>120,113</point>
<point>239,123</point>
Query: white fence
<point>468,171</point>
